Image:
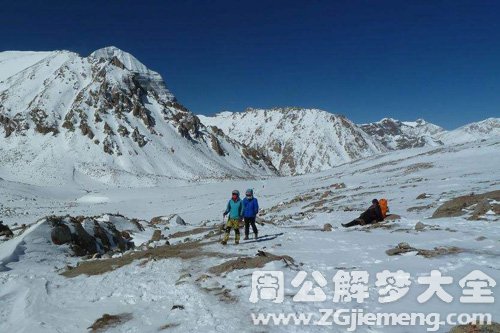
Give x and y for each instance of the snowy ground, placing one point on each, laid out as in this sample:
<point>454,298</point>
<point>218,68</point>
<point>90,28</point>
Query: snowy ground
<point>35,297</point>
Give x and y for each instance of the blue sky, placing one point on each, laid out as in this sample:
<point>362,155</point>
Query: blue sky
<point>437,60</point>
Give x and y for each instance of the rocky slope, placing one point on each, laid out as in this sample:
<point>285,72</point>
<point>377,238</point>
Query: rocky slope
<point>395,134</point>
<point>108,118</point>
<point>297,140</point>
<point>482,130</point>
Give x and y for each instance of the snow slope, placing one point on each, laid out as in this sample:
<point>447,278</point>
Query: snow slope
<point>297,140</point>
<point>185,295</point>
<point>108,118</point>
<point>482,130</point>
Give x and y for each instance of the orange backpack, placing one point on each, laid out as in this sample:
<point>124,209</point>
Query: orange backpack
<point>383,207</point>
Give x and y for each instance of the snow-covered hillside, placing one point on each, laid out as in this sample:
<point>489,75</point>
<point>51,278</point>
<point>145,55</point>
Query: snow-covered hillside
<point>193,283</point>
<point>395,134</point>
<point>297,140</point>
<point>482,130</point>
<point>108,118</point>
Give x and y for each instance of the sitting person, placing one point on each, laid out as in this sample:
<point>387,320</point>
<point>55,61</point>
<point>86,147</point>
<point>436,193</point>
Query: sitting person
<point>371,215</point>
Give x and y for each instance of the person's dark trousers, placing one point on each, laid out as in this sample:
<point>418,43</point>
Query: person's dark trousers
<point>250,221</point>
<point>352,223</point>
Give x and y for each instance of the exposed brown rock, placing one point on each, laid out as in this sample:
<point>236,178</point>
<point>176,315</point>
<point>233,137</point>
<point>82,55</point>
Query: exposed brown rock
<point>259,261</point>
<point>216,146</point>
<point>108,321</point>
<point>476,328</point>
<point>455,207</point>
<point>437,251</point>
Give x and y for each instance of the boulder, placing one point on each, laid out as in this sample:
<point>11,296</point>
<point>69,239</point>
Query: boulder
<point>327,227</point>
<point>179,221</point>
<point>481,208</point>
<point>168,220</point>
<point>5,230</point>
<point>87,236</point>
<point>156,236</point>
<point>419,226</point>
<point>456,206</point>
<point>61,234</point>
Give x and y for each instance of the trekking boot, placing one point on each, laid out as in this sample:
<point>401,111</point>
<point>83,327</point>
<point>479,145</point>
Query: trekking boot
<point>223,242</point>
<point>246,237</point>
<point>236,242</point>
<point>256,235</point>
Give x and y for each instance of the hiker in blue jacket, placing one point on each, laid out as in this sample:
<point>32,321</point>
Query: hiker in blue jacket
<point>235,210</point>
<point>250,210</point>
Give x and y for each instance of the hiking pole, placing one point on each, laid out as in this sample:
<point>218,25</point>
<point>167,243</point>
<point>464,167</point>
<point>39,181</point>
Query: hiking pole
<point>221,229</point>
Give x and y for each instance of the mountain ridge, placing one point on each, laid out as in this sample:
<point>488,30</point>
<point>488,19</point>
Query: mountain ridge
<point>62,114</point>
<point>297,140</point>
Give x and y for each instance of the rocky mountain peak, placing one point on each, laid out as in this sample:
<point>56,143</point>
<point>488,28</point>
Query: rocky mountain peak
<point>107,111</point>
<point>396,134</point>
<point>297,140</point>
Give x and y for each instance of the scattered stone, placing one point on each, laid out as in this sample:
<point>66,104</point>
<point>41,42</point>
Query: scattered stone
<point>419,226</point>
<point>182,279</point>
<point>419,208</point>
<point>168,220</point>
<point>203,278</point>
<point>226,296</point>
<point>422,196</point>
<point>439,251</point>
<point>5,230</point>
<point>480,238</point>
<point>402,248</point>
<point>156,236</point>
<point>177,306</point>
<point>108,321</point>
<point>259,261</point>
<point>481,208</point>
<point>179,221</point>
<point>378,225</point>
<point>167,326</point>
<point>392,217</point>
<point>456,206</point>
<point>327,227</point>
<point>473,328</point>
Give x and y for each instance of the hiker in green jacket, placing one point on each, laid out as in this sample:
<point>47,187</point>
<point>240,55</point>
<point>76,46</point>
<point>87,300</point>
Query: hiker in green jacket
<point>235,211</point>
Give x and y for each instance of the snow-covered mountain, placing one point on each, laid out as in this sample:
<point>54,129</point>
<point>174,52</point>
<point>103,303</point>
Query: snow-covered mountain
<point>297,140</point>
<point>106,117</point>
<point>395,134</point>
<point>486,129</point>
